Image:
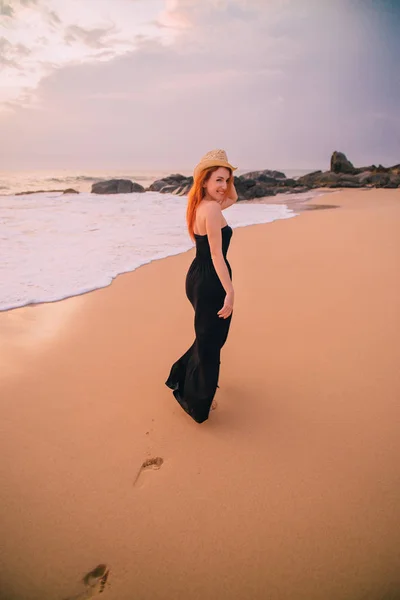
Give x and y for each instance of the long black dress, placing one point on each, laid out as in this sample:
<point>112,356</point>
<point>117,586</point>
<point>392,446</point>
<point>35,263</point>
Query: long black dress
<point>194,377</point>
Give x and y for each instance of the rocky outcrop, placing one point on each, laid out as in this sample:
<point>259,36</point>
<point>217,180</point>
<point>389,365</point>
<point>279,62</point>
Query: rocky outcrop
<point>259,184</point>
<point>116,186</point>
<point>344,174</point>
<point>70,191</point>
<point>328,179</point>
<point>340,163</point>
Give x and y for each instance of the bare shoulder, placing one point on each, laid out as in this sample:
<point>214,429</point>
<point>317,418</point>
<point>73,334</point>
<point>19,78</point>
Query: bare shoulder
<point>212,210</point>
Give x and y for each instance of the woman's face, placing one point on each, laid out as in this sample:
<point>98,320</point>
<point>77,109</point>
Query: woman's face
<point>217,184</point>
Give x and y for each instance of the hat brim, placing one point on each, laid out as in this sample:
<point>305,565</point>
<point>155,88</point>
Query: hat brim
<point>211,163</point>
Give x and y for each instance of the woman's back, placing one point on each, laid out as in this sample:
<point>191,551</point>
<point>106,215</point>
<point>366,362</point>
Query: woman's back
<point>200,218</point>
<point>203,251</point>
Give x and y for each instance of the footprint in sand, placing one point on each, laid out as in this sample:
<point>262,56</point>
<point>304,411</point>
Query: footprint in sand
<point>149,463</point>
<point>95,582</point>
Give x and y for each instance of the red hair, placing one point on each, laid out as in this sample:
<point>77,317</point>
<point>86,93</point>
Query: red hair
<point>196,195</point>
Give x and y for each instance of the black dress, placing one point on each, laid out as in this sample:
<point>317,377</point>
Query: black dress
<point>194,377</point>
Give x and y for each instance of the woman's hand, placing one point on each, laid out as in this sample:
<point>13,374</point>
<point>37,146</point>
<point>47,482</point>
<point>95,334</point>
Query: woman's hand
<point>230,196</point>
<point>227,308</point>
<point>231,190</point>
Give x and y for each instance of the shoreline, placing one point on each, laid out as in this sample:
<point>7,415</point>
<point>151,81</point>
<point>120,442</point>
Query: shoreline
<point>169,251</point>
<point>290,489</point>
<point>297,205</point>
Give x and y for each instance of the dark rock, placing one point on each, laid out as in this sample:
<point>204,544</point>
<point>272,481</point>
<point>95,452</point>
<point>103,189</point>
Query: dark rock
<point>246,183</point>
<point>156,186</point>
<point>394,181</point>
<point>259,191</point>
<point>346,184</point>
<point>173,181</point>
<point>379,179</point>
<point>258,184</point>
<point>382,169</point>
<point>70,191</point>
<point>168,189</point>
<point>288,182</point>
<point>327,179</point>
<point>264,175</point>
<point>116,186</point>
<point>364,177</point>
<point>309,179</point>
<point>347,181</point>
<point>242,186</point>
<point>137,188</point>
<point>341,164</point>
<point>182,190</point>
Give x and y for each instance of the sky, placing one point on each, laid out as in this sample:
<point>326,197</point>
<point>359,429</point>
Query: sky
<point>155,84</point>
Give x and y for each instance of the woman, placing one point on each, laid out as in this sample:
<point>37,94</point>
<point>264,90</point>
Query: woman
<point>194,377</point>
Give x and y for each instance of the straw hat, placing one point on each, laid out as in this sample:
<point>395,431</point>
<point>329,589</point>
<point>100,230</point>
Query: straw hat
<point>214,158</point>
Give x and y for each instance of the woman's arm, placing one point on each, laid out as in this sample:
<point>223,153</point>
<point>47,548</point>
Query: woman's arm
<point>230,198</point>
<point>214,234</point>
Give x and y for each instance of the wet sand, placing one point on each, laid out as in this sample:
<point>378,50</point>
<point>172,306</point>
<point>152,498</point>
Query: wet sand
<point>291,490</point>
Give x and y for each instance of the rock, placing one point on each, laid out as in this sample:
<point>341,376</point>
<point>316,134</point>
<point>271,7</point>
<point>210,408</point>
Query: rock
<point>327,179</point>
<point>174,181</point>
<point>347,181</point>
<point>309,179</point>
<point>258,184</point>
<point>288,182</point>
<point>264,175</point>
<point>382,169</point>
<point>259,191</point>
<point>245,183</point>
<point>394,181</point>
<point>363,177</point>
<point>379,179</point>
<point>116,186</point>
<point>156,186</point>
<point>341,164</point>
<point>137,188</point>
<point>182,190</point>
<point>346,184</point>
<point>70,191</point>
<point>168,189</point>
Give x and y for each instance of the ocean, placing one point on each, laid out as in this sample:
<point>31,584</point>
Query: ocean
<point>54,246</point>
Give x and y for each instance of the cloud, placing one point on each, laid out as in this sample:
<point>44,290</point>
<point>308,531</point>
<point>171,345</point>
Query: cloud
<point>10,54</point>
<point>267,81</point>
<point>93,38</point>
<point>59,34</point>
<point>5,9</point>
<point>53,18</point>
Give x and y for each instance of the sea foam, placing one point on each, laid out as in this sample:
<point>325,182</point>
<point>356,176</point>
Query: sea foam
<point>54,246</point>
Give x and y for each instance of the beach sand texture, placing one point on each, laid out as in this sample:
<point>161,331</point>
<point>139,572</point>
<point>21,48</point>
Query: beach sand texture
<point>290,491</point>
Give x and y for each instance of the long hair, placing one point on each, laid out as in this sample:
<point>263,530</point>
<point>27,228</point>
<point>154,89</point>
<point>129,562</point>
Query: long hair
<point>196,195</point>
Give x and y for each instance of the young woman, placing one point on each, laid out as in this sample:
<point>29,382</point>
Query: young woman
<point>194,377</point>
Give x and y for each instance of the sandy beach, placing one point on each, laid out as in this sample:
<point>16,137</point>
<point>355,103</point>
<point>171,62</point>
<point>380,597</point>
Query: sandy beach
<point>290,491</point>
